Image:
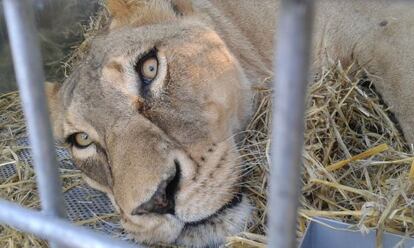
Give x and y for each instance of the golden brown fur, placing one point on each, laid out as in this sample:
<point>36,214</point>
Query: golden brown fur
<point>210,55</point>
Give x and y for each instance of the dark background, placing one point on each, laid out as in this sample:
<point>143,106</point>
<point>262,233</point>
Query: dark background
<point>60,28</point>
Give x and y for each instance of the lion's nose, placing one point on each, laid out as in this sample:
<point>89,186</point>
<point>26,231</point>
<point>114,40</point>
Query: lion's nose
<point>162,201</point>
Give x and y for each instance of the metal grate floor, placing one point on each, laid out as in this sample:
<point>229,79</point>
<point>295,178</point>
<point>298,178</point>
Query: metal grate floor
<point>82,202</point>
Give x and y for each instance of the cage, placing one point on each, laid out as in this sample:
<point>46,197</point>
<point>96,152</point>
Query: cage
<point>60,24</point>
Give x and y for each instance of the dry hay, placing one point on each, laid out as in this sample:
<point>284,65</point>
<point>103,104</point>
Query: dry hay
<point>21,186</point>
<point>356,166</point>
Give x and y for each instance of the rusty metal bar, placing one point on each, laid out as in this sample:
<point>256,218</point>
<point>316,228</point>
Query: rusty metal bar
<point>291,76</point>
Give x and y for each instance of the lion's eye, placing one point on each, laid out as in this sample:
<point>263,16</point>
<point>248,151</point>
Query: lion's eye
<point>81,140</point>
<point>147,67</point>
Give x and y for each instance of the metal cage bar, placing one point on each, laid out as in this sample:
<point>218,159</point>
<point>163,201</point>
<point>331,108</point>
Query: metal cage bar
<point>55,229</point>
<point>291,75</point>
<point>30,78</point>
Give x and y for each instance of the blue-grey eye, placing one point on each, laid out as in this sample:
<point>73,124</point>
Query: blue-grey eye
<point>147,67</point>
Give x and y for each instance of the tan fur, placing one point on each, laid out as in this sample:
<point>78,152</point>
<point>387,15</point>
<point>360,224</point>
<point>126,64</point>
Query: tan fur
<point>211,53</point>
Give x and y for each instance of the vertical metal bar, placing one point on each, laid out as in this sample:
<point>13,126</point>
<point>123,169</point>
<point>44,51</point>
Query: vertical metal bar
<point>30,78</point>
<point>55,229</point>
<point>291,75</point>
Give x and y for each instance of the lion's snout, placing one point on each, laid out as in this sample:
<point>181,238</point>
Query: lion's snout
<point>163,200</point>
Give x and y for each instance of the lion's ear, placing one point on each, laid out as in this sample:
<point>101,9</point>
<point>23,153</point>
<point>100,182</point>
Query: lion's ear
<point>144,12</point>
<point>55,108</point>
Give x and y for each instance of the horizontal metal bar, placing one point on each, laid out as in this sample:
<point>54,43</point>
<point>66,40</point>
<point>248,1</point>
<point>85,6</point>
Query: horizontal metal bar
<point>291,75</point>
<point>55,229</point>
<point>28,67</point>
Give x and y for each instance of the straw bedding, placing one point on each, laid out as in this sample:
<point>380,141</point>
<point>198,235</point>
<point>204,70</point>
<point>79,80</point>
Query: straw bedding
<point>356,166</point>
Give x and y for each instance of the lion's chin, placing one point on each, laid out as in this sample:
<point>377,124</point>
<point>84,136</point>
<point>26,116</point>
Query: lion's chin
<point>212,231</point>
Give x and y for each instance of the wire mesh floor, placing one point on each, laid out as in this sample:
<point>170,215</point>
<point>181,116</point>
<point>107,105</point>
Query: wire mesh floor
<point>82,202</point>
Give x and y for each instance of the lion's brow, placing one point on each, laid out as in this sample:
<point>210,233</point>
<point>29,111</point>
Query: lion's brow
<point>69,88</point>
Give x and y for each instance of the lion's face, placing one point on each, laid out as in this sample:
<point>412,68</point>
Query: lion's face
<point>150,116</point>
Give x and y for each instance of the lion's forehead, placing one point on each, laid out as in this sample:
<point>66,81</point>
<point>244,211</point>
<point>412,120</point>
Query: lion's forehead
<point>126,39</point>
<point>85,80</point>
<point>127,42</point>
<point>86,97</point>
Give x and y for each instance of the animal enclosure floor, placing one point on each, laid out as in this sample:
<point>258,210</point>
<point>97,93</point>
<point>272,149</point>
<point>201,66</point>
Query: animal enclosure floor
<point>84,205</point>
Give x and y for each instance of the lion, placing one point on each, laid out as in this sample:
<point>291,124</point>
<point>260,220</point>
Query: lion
<point>151,114</point>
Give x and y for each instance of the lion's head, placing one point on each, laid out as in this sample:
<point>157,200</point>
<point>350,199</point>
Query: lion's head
<point>150,115</point>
